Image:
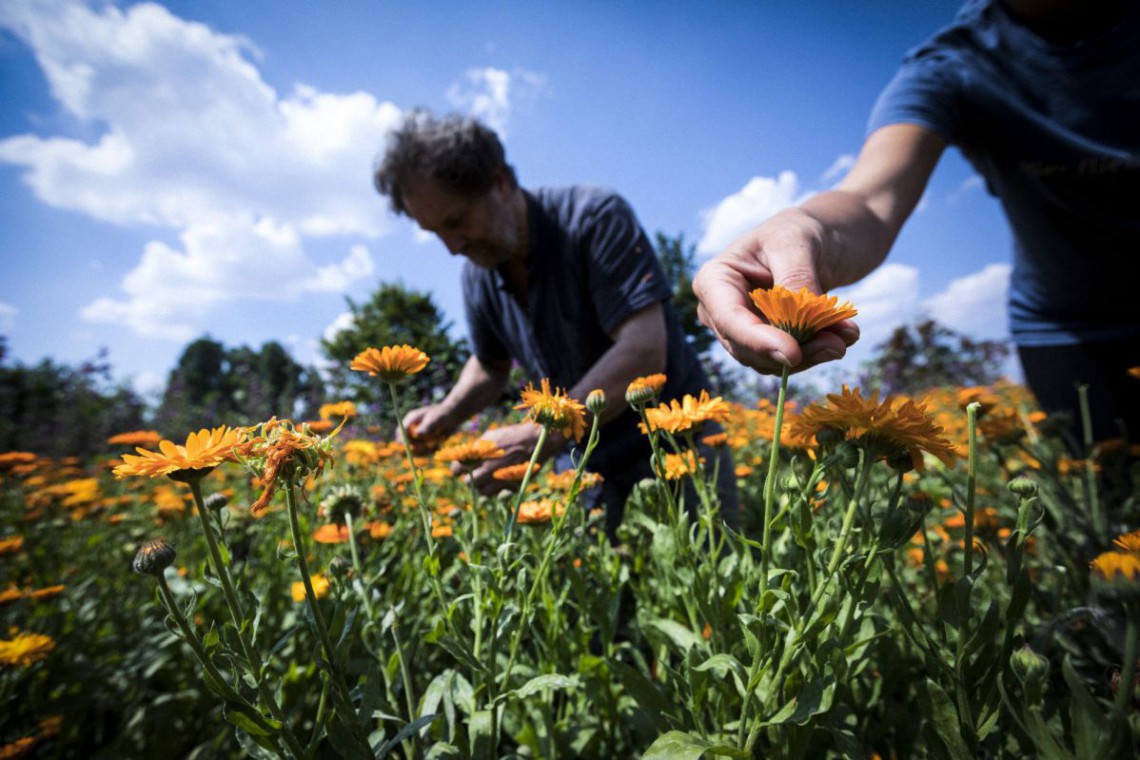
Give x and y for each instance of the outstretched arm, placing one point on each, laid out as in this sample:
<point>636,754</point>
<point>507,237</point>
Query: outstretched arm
<point>832,239</point>
<point>478,386</point>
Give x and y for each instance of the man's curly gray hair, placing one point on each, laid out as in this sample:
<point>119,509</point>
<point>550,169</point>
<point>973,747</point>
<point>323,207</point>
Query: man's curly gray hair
<point>459,152</point>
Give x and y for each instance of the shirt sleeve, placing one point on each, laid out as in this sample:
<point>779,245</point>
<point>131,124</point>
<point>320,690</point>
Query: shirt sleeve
<point>623,273</point>
<point>922,92</point>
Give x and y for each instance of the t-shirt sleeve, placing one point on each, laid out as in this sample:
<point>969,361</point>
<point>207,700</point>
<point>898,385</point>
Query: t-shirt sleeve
<point>922,92</point>
<point>623,273</point>
<point>485,341</point>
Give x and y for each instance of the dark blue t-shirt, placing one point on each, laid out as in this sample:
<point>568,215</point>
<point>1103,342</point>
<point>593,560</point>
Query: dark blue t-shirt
<point>590,267</point>
<point>1055,132</point>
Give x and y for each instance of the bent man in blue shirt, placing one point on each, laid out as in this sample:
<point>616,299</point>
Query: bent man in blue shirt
<point>562,280</point>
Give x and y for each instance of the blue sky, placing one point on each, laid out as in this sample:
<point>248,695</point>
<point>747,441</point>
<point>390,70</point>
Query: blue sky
<point>203,167</point>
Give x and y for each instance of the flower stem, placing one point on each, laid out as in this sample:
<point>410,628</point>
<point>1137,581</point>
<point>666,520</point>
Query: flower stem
<point>237,613</point>
<point>770,484</point>
<point>543,430</point>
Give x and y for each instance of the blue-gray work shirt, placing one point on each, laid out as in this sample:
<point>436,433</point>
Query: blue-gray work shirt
<point>590,267</point>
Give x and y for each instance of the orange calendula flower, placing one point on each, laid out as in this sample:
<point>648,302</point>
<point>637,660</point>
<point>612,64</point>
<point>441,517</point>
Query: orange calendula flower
<point>379,529</point>
<point>1135,372</point>
<point>563,481</point>
<point>203,451</point>
<point>889,430</point>
<point>678,466</point>
<point>11,545</point>
<point>331,533</point>
<point>1129,542</point>
<point>470,454</point>
<point>643,390</point>
<point>1117,571</point>
<point>800,314</point>
<point>13,458</point>
<point>554,410</point>
<point>345,409</point>
<point>689,413</point>
<point>136,438</point>
<point>539,512</point>
<point>18,749</point>
<point>390,363</point>
<point>25,649</point>
<point>278,452</point>
<point>515,473</point>
<point>320,587</point>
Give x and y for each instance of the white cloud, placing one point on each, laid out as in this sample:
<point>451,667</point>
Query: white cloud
<point>192,140</point>
<point>488,94</point>
<point>756,201</point>
<point>969,185</point>
<point>975,305</point>
<point>886,298</point>
<point>171,292</point>
<point>8,314</point>
<point>343,321</point>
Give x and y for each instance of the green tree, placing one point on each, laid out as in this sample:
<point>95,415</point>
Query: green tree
<point>928,355</point>
<point>56,410</point>
<point>394,315</point>
<point>680,264</point>
<point>212,385</point>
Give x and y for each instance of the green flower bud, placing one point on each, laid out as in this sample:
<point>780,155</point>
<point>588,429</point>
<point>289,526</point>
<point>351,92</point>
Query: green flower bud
<point>1033,671</point>
<point>216,502</point>
<point>596,401</point>
<point>829,436</point>
<point>847,454</point>
<point>153,557</point>
<point>638,396</point>
<point>1023,487</point>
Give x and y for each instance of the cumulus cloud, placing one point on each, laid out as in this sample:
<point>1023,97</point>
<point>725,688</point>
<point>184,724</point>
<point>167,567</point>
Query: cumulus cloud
<point>756,201</point>
<point>975,305</point>
<point>488,94</point>
<point>190,139</point>
<point>886,298</point>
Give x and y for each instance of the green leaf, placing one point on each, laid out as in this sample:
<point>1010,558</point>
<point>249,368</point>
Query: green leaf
<point>551,681</point>
<point>404,733</point>
<point>677,745</point>
<point>681,636</point>
<point>251,722</point>
<point>721,664</point>
<point>944,718</point>
<point>1089,722</point>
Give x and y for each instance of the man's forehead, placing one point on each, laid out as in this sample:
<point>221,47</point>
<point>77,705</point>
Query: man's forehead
<point>428,200</point>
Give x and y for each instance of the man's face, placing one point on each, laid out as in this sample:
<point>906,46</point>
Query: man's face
<point>483,228</point>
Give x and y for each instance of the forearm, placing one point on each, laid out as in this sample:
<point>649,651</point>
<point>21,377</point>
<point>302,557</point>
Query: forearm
<point>477,387</point>
<point>852,239</point>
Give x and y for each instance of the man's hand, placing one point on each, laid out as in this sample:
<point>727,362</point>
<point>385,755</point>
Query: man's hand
<point>517,442</point>
<point>785,250</point>
<point>426,425</point>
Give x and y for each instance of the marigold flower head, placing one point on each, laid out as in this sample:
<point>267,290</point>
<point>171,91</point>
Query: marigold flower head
<point>342,409</point>
<point>379,529</point>
<point>202,452</point>
<point>320,587</point>
<point>470,454</point>
<point>801,314</point>
<point>515,473</point>
<point>682,465</point>
<point>278,453</point>
<point>643,390</point>
<point>1118,572</point>
<point>688,413</point>
<point>889,429</point>
<point>1135,372</point>
<point>554,410</point>
<point>19,749</point>
<point>539,512</point>
<point>391,364</point>
<point>563,481</point>
<point>11,545</point>
<point>331,533</point>
<point>25,649</point>
<point>11,459</point>
<point>1129,542</point>
<point>136,438</point>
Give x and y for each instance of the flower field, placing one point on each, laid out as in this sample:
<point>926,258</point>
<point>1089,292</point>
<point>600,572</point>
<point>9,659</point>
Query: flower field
<point>908,577</point>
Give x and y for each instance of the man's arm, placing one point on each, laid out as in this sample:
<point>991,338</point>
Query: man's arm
<point>639,349</point>
<point>832,239</point>
<point>479,384</point>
